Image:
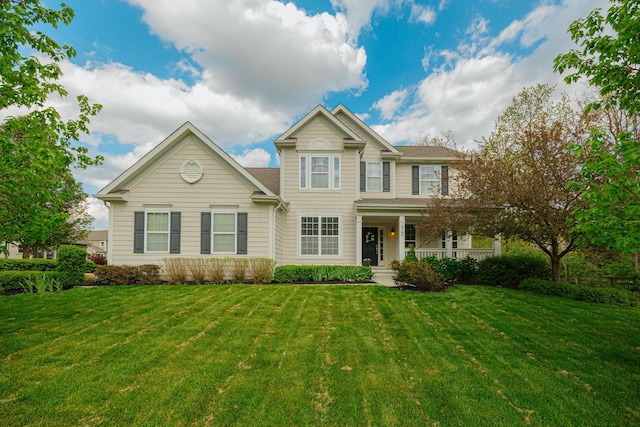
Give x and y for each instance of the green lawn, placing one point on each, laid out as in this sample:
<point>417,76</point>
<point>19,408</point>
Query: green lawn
<point>314,355</point>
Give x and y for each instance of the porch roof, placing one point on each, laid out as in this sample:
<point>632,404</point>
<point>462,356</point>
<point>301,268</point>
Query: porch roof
<point>408,205</point>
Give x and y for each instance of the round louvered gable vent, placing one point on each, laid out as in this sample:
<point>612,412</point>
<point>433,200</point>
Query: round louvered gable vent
<point>191,171</point>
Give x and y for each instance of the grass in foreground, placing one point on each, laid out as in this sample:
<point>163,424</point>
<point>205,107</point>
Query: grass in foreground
<point>313,355</point>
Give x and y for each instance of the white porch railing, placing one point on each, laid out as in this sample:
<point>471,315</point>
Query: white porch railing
<point>477,254</point>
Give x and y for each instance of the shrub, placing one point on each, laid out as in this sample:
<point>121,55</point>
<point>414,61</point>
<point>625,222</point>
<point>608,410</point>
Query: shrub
<point>122,275</point>
<point>198,269</point>
<point>411,254</point>
<point>176,269</point>
<point>285,274</point>
<point>16,280</point>
<point>591,294</point>
<point>322,273</point>
<point>30,264</point>
<point>419,275</point>
<point>261,269</point>
<point>238,269</point>
<point>72,263</point>
<point>148,274</point>
<point>98,259</point>
<point>510,270</point>
<point>216,270</point>
<point>453,269</point>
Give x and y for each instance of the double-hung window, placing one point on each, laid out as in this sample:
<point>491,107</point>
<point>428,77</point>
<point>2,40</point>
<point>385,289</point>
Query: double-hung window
<point>157,232</point>
<point>410,235</point>
<point>320,235</point>
<point>320,172</point>
<point>223,233</point>
<point>429,179</point>
<point>374,176</point>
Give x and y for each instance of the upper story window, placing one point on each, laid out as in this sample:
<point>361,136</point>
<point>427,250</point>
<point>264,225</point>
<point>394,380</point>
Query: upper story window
<point>430,179</point>
<point>320,172</point>
<point>375,176</point>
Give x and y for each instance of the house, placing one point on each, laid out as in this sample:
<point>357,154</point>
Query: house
<point>96,242</point>
<point>342,194</point>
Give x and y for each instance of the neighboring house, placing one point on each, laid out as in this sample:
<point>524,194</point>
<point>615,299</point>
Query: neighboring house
<point>15,252</point>
<point>342,194</point>
<point>96,242</point>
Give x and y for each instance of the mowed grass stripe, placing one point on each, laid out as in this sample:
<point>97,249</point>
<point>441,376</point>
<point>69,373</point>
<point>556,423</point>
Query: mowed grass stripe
<point>314,355</point>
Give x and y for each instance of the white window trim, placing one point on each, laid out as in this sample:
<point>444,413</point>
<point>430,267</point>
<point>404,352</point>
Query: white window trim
<point>367,189</point>
<point>319,217</point>
<point>304,172</point>
<point>146,232</point>
<point>437,180</point>
<point>235,231</point>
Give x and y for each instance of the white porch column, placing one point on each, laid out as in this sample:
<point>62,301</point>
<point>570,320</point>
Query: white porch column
<point>358,240</point>
<point>448,244</point>
<point>401,237</point>
<point>497,245</point>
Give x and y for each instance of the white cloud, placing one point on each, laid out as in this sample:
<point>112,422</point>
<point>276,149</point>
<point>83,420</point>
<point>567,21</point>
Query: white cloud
<point>266,51</point>
<point>359,12</point>
<point>257,158</point>
<point>389,105</point>
<point>478,81</point>
<point>99,212</point>
<point>423,14</point>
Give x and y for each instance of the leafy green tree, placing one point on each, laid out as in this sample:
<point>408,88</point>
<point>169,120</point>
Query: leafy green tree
<point>39,149</point>
<point>609,58</point>
<point>609,54</point>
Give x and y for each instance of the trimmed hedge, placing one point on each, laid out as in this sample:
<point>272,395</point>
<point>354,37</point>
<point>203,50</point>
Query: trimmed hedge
<point>72,264</point>
<point>29,264</point>
<point>322,273</point>
<point>599,295</point>
<point>123,275</point>
<point>510,270</point>
<point>14,280</point>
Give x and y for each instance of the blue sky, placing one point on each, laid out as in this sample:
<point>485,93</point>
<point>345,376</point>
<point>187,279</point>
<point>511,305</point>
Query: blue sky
<point>243,71</point>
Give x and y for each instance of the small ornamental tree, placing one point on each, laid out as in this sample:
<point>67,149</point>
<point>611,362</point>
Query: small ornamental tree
<point>516,184</point>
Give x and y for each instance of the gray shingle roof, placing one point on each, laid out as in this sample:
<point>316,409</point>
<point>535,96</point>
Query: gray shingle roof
<point>270,177</point>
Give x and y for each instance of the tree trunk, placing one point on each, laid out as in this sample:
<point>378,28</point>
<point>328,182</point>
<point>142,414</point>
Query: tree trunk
<point>555,260</point>
<point>555,268</point>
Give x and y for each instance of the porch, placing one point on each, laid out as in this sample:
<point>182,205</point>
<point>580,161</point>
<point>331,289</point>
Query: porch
<point>387,228</point>
<point>477,254</point>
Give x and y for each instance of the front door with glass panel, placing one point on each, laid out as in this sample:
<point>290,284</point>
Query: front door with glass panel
<point>370,244</point>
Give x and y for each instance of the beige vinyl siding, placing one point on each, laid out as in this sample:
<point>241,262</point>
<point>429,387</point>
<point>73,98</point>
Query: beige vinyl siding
<point>314,202</point>
<point>279,236</point>
<point>403,175</point>
<point>164,186</point>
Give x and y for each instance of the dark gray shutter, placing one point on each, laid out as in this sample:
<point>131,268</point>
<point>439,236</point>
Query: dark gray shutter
<point>386,177</point>
<point>444,180</point>
<point>174,233</point>
<point>415,179</point>
<point>138,232</point>
<point>242,233</point>
<point>205,232</point>
<point>363,176</point>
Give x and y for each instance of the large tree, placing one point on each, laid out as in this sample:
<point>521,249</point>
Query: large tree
<point>38,149</point>
<point>609,58</point>
<point>516,184</point>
